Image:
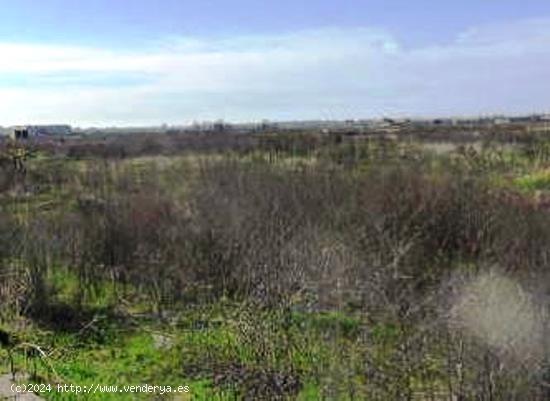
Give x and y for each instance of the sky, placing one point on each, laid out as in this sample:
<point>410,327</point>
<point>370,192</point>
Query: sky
<point>145,62</point>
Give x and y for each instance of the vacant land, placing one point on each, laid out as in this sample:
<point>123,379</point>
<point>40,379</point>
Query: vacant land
<point>284,266</point>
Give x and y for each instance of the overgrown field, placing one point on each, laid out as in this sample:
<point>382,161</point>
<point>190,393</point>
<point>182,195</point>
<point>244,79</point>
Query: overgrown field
<point>299,266</point>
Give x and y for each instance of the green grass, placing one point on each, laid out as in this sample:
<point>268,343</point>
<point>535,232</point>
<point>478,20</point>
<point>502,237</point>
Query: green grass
<point>534,181</point>
<point>319,346</point>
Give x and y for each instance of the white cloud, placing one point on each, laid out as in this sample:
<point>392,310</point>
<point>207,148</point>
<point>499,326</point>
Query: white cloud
<point>331,73</point>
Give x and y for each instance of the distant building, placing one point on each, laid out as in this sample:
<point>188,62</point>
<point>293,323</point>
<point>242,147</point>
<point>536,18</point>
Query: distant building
<point>20,133</point>
<point>37,131</point>
<point>501,121</point>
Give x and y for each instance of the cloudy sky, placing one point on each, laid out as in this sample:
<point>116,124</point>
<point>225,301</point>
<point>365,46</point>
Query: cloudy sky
<point>145,62</point>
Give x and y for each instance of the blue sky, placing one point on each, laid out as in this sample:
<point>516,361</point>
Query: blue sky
<point>148,62</point>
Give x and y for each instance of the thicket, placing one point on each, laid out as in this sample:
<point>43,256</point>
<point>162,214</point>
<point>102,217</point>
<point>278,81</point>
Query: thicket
<point>380,230</point>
